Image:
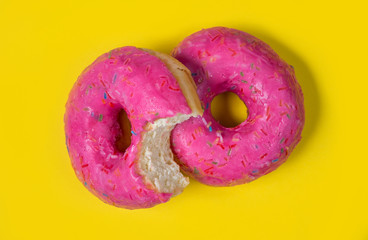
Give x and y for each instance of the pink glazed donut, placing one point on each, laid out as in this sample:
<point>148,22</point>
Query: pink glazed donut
<point>228,60</point>
<point>118,120</point>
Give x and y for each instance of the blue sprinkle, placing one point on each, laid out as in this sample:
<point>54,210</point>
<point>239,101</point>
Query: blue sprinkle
<point>104,194</point>
<point>92,114</point>
<point>114,78</point>
<point>105,95</point>
<point>292,66</point>
<point>85,183</point>
<point>275,160</point>
<point>133,132</point>
<point>233,87</point>
<point>67,148</point>
<point>210,128</point>
<point>194,74</point>
<point>255,171</point>
<point>207,105</point>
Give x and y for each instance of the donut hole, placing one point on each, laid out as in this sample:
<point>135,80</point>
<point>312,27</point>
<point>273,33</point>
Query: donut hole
<point>123,140</point>
<point>228,109</point>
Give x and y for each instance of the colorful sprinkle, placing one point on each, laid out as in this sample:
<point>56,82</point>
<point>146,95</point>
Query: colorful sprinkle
<point>208,169</point>
<point>243,81</point>
<point>85,183</point>
<point>105,95</point>
<point>210,128</point>
<point>196,171</point>
<point>131,164</point>
<point>264,155</point>
<point>174,89</point>
<point>207,105</point>
<point>194,74</point>
<point>229,152</point>
<point>242,74</point>
<point>233,52</point>
<point>104,194</point>
<point>114,78</point>
<point>275,160</point>
<point>282,140</point>
<point>251,65</point>
<point>100,117</point>
<point>110,54</point>
<point>243,163</point>
<point>133,133</point>
<point>282,150</point>
<point>264,132</point>
<point>209,144</point>
<point>215,163</point>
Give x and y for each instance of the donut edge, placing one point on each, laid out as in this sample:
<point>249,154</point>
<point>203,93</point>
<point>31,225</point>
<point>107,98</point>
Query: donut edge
<point>184,78</point>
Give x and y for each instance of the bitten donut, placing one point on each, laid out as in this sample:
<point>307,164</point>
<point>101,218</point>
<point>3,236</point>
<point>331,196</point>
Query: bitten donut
<point>228,60</point>
<point>118,120</point>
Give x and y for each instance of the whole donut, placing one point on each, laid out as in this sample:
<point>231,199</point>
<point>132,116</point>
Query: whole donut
<point>109,154</point>
<point>228,60</point>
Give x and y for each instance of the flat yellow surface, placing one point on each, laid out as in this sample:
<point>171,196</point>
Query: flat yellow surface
<point>321,192</point>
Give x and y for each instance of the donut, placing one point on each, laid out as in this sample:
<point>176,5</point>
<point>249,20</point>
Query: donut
<point>118,120</point>
<point>228,60</point>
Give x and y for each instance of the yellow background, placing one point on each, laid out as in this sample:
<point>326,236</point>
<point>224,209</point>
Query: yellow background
<point>319,193</point>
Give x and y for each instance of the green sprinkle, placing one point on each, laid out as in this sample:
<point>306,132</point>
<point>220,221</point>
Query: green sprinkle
<point>85,109</point>
<point>251,86</point>
<point>110,54</point>
<point>282,140</point>
<point>208,89</point>
<point>89,86</point>
<point>242,74</point>
<point>214,163</point>
<point>156,114</point>
<point>100,117</point>
<point>257,68</point>
<point>196,170</point>
<point>251,65</point>
<point>287,115</point>
<point>243,81</point>
<point>209,144</point>
<point>282,150</point>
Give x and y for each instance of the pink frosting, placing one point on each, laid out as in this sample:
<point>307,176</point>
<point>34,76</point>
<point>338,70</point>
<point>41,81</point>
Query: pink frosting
<point>126,78</point>
<point>221,60</point>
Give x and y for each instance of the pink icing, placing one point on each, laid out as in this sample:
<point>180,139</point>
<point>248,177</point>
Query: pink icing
<point>221,60</point>
<point>126,78</point>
